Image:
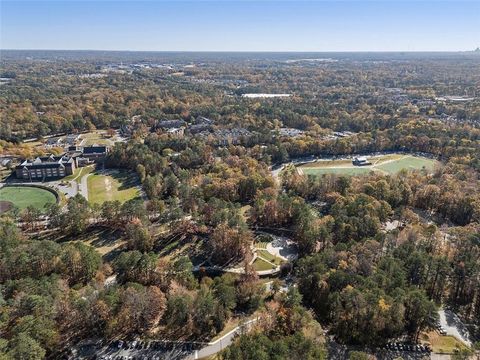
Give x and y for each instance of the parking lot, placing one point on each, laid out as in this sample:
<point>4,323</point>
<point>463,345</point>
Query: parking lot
<point>391,351</point>
<point>396,350</point>
<point>133,350</point>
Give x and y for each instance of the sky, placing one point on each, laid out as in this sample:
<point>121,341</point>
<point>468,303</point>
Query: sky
<point>247,25</point>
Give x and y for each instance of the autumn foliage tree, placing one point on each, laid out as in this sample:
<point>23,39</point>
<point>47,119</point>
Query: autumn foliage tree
<point>229,245</point>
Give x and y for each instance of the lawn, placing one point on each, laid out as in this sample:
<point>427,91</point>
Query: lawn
<point>391,164</point>
<point>409,163</point>
<point>95,138</point>
<point>24,196</point>
<point>443,344</point>
<point>348,162</point>
<point>350,171</point>
<point>79,173</point>
<point>118,185</point>
<point>262,265</point>
<point>327,163</point>
<point>267,256</point>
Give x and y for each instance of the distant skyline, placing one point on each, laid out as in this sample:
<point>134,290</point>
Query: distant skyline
<point>229,25</point>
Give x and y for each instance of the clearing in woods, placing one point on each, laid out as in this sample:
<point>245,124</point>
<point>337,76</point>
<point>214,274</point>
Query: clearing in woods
<point>387,164</point>
<point>112,185</point>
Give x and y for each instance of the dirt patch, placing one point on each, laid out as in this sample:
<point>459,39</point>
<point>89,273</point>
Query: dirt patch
<point>108,187</point>
<point>5,206</point>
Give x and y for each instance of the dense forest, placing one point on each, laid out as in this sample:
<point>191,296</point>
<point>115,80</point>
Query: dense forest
<point>355,282</point>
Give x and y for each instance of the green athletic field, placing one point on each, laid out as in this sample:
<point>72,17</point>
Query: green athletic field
<point>386,164</point>
<point>119,186</point>
<point>24,196</point>
<point>408,163</point>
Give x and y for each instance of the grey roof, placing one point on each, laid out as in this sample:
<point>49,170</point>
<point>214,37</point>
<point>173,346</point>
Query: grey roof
<point>203,120</point>
<point>95,149</point>
<point>46,162</point>
<point>167,124</point>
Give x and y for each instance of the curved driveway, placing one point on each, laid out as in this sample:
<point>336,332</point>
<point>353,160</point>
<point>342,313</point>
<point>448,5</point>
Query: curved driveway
<point>218,345</point>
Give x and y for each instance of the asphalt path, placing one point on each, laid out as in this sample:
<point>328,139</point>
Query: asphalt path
<point>218,345</point>
<point>83,186</point>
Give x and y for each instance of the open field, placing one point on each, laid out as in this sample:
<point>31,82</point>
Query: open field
<point>95,138</point>
<point>264,254</point>
<point>408,163</point>
<point>262,265</point>
<point>24,196</point>
<point>386,164</point>
<point>340,171</point>
<point>443,344</point>
<point>116,185</point>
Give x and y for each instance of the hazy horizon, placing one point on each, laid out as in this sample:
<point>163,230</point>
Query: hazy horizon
<point>248,26</point>
<point>255,51</point>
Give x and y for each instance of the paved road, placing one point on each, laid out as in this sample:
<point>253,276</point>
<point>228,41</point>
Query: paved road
<point>70,190</point>
<point>83,186</point>
<point>282,247</point>
<point>218,345</point>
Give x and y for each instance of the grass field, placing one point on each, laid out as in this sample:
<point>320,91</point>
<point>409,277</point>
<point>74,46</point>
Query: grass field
<point>443,344</point>
<point>117,185</point>
<point>261,265</point>
<point>409,163</point>
<point>24,196</point>
<point>267,256</point>
<point>340,171</point>
<point>95,138</point>
<point>386,164</point>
